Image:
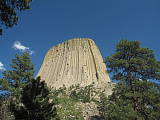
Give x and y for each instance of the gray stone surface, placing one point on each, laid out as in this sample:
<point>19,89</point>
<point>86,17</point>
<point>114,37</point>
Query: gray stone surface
<point>76,61</point>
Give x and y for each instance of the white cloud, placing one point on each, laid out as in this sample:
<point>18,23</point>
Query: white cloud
<point>2,66</point>
<point>18,46</point>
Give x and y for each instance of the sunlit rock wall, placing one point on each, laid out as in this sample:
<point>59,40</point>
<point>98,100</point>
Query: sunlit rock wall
<point>76,61</point>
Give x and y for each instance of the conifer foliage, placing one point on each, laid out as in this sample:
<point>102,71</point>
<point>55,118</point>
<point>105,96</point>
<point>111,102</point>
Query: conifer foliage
<point>20,75</point>
<point>29,99</point>
<point>36,102</point>
<point>134,97</point>
<point>9,9</point>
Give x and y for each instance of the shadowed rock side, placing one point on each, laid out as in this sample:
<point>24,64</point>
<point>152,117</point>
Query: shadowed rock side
<point>76,61</point>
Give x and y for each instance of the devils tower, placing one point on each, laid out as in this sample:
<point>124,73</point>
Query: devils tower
<point>76,61</point>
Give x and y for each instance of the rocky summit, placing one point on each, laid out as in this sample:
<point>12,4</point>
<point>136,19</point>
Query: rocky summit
<point>76,61</point>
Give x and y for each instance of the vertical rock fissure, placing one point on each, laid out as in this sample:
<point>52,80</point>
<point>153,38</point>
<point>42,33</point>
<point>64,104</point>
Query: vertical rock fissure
<point>93,59</point>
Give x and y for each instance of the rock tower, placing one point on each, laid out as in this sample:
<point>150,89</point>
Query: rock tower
<point>76,61</point>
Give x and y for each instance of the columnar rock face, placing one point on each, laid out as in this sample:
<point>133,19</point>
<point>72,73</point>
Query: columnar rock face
<point>76,61</point>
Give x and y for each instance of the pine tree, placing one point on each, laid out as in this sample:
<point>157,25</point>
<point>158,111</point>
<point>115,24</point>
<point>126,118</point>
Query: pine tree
<point>8,11</point>
<point>17,78</point>
<point>36,102</point>
<point>134,97</point>
<point>21,74</point>
<point>29,96</point>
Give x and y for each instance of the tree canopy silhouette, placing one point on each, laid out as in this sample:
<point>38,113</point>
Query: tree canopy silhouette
<point>8,12</point>
<point>134,97</point>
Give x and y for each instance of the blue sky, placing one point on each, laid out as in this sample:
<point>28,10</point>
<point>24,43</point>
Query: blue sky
<point>51,22</point>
